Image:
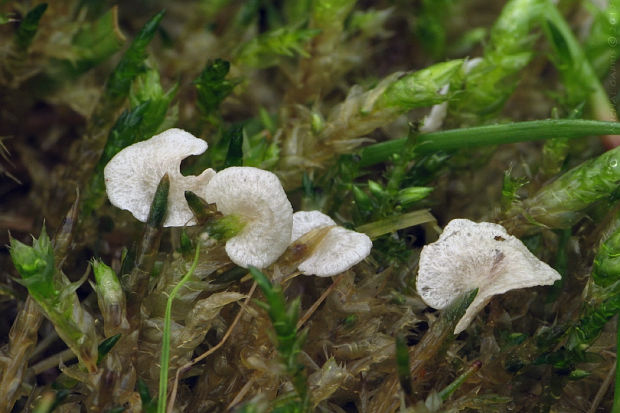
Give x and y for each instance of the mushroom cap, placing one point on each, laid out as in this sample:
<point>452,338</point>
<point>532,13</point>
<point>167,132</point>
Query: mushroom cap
<point>471,255</point>
<point>132,175</point>
<point>306,221</point>
<point>338,251</point>
<point>257,197</point>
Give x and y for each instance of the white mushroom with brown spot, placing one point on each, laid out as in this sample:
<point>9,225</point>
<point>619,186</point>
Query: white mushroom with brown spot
<point>257,199</point>
<point>132,175</point>
<point>471,255</point>
<point>338,251</point>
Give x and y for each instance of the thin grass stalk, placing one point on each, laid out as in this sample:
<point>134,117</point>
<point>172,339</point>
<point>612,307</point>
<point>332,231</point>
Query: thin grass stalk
<point>165,348</point>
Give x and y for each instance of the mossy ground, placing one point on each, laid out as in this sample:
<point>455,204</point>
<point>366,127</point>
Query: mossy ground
<point>298,88</point>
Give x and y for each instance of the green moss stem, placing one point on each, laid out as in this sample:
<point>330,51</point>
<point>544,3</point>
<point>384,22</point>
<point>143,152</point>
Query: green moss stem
<point>574,66</point>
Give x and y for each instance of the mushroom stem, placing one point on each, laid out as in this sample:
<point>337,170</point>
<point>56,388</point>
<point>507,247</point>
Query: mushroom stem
<point>437,340</point>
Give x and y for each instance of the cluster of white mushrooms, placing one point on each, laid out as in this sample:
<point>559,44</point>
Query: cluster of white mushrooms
<point>253,196</point>
<point>466,256</point>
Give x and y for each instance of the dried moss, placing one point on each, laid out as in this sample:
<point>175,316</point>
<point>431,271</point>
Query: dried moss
<point>319,92</point>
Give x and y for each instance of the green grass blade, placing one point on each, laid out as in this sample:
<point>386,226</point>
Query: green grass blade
<point>165,345</point>
<point>490,135</point>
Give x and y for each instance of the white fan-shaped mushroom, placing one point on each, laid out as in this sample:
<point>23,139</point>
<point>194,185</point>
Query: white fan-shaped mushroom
<point>338,251</point>
<point>132,175</point>
<point>471,255</point>
<point>258,199</point>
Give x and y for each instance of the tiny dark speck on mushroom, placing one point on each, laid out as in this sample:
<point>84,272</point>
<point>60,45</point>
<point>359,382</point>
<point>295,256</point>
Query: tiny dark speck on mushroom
<point>499,256</point>
<point>499,238</point>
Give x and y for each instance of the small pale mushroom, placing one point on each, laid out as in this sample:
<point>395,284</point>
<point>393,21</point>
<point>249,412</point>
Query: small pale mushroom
<point>257,199</point>
<point>132,175</point>
<point>471,255</point>
<point>337,251</point>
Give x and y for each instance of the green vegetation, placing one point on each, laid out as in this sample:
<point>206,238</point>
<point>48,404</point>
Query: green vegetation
<point>391,117</point>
